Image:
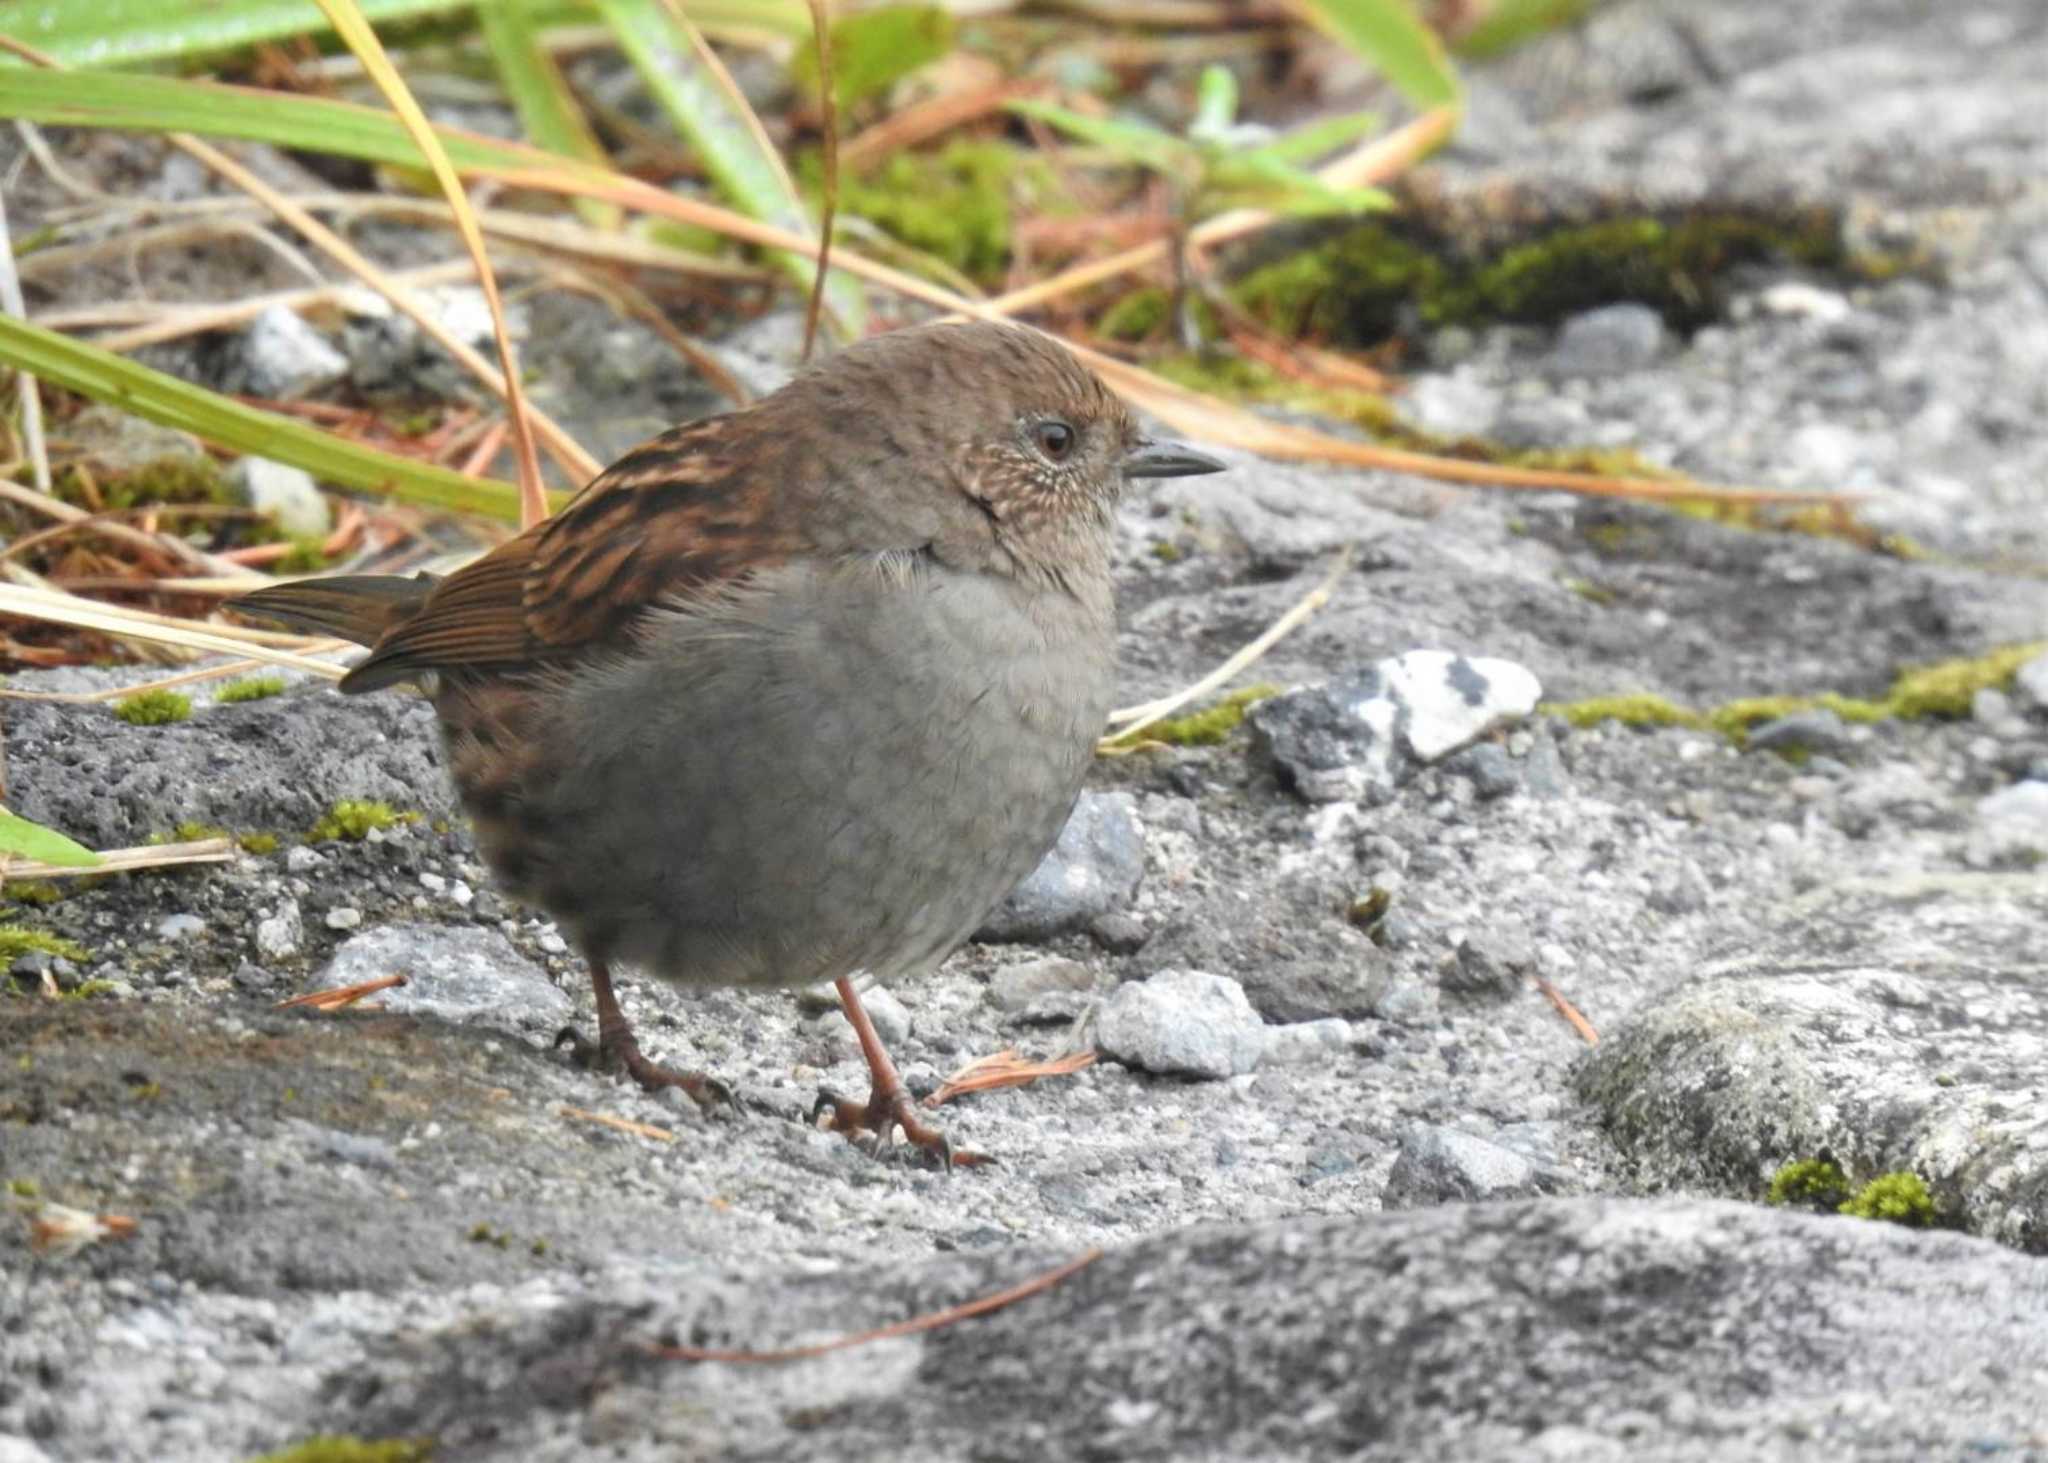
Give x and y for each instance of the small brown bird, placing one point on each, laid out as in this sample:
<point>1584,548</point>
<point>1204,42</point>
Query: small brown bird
<point>789,693</point>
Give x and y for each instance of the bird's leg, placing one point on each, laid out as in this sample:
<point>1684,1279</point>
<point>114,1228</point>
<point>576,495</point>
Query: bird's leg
<point>888,1105</point>
<point>615,1050</point>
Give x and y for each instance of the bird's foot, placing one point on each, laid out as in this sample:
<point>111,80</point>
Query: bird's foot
<point>616,1051</point>
<point>869,1125</point>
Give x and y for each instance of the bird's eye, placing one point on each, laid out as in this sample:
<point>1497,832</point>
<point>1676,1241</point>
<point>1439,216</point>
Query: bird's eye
<point>1055,439</point>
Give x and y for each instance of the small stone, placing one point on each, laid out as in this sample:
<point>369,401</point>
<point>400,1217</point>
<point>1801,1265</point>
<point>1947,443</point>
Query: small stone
<point>1183,1023</point>
<point>552,943</point>
<point>180,926</point>
<point>461,893</point>
<point>32,965</point>
<point>344,917</point>
<point>1993,709</point>
<point>1092,870</point>
<point>278,937</point>
<point>1438,1165</point>
<point>282,358</point>
<point>252,977</point>
<point>1492,772</point>
<point>1489,967</point>
<point>1819,730</point>
<point>1608,341</point>
<point>1353,738</point>
<point>1014,987</point>
<point>463,973</point>
<point>299,859</point>
<point>2011,823</point>
<point>2030,684</point>
<point>287,494</point>
<point>1119,933</point>
<point>1799,300</point>
<point>891,1017</point>
<point>1306,1043</point>
<point>433,883</point>
<point>1451,405</point>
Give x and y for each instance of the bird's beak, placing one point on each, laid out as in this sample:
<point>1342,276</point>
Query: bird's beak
<point>1168,460</point>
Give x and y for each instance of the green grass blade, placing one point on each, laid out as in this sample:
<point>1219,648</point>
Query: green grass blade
<point>1133,141</point>
<point>118,381</point>
<point>750,175</point>
<point>105,34</point>
<point>1388,34</point>
<point>24,839</point>
<point>547,108</point>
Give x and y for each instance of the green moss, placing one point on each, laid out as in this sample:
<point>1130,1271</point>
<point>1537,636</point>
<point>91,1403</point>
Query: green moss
<point>483,1234</point>
<point>34,891</point>
<point>176,477</point>
<point>1896,1198</point>
<point>1167,552</point>
<point>153,708</point>
<point>16,942</point>
<point>189,831</point>
<point>352,819</point>
<point>23,1188</point>
<point>1946,689</point>
<point>1637,709</point>
<point>1136,316</point>
<point>330,1448</point>
<point>259,844</point>
<point>1943,690</point>
<point>255,688</point>
<point>305,556</point>
<point>1364,284</point>
<point>1210,726</point>
<point>953,204</point>
<point>88,990</point>
<point>1809,1183</point>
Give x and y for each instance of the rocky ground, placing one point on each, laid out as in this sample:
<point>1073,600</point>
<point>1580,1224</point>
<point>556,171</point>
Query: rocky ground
<point>1363,1190</point>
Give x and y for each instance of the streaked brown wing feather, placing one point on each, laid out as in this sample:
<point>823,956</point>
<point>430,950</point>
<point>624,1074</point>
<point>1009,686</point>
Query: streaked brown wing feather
<point>694,507</point>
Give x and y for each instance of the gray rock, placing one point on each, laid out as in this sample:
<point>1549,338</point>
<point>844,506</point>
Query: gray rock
<point>461,973</point>
<point>1453,405</point>
<point>1438,1165</point>
<point>279,934</point>
<point>1348,981</point>
<point>344,917</point>
<point>122,442</point>
<point>1608,341</point>
<point>1014,987</point>
<point>1648,1326</point>
<point>1820,731</point>
<point>1355,736</point>
<point>180,927</point>
<point>1492,771</point>
<point>2011,823</point>
<point>1896,1024</point>
<point>1093,869</point>
<point>2030,684</point>
<point>890,1015</point>
<point>1185,1023</point>
<point>1491,966</point>
<point>288,494</point>
<point>15,1449</point>
<point>282,357</point>
<point>1307,1043</point>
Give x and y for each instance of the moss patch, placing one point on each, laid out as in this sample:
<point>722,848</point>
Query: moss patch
<point>953,204</point>
<point>335,1449</point>
<point>352,819</point>
<point>153,708</point>
<point>1211,725</point>
<point>1809,1183</point>
<point>1895,1198</point>
<point>1943,690</point>
<point>16,942</point>
<point>1373,279</point>
<point>255,688</point>
<point>175,477</point>
<point>258,843</point>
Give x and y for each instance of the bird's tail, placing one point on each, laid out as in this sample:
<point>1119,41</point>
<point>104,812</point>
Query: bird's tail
<point>358,607</point>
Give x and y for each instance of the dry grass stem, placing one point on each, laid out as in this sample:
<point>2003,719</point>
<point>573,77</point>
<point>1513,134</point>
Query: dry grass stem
<point>952,1315</point>
<point>1008,1068</point>
<point>1134,719</point>
<point>624,1125</point>
<point>1567,1010</point>
<point>132,860</point>
<point>340,998</point>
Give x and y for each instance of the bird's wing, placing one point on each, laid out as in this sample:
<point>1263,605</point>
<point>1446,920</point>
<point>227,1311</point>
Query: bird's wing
<point>689,510</point>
